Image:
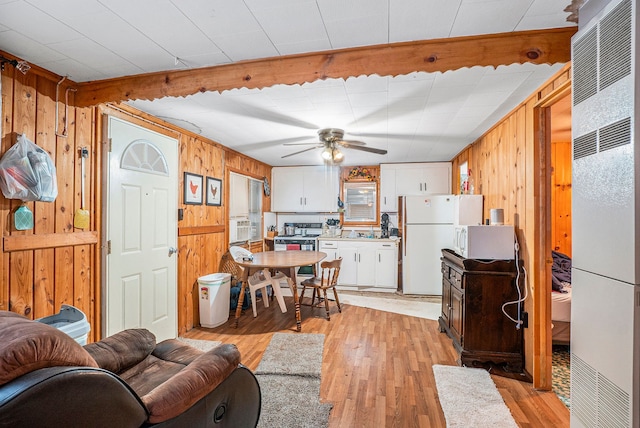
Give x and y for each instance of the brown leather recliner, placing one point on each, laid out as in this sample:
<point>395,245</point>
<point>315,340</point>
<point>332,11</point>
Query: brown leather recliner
<point>125,380</point>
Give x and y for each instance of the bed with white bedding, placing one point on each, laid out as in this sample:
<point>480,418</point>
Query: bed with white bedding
<point>561,298</point>
<point>561,316</point>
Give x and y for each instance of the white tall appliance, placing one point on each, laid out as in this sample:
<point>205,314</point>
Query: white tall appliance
<point>605,314</point>
<point>427,228</point>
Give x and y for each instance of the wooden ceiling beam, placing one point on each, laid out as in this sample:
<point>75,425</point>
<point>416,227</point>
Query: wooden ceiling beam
<point>539,47</point>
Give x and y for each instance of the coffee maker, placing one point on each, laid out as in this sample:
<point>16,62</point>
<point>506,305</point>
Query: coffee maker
<point>384,225</point>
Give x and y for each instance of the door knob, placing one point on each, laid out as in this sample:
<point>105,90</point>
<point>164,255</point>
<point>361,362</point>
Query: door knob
<point>172,250</point>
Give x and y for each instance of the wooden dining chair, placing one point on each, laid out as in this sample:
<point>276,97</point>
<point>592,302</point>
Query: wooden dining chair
<point>260,280</point>
<point>329,272</point>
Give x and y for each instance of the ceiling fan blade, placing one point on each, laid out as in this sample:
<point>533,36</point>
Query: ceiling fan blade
<point>369,149</point>
<point>348,143</point>
<point>268,114</point>
<point>301,151</point>
<point>271,143</point>
<point>301,144</point>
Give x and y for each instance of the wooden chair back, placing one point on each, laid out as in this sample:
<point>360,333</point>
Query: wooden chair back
<point>329,272</point>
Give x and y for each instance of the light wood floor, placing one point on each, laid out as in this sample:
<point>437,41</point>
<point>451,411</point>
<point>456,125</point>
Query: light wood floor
<point>376,367</point>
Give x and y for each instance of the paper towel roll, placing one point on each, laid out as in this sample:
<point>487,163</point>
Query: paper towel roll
<point>497,216</point>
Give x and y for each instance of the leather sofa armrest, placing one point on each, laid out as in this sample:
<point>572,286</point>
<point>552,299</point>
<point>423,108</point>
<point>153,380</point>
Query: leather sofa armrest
<point>195,381</point>
<point>122,350</point>
<point>70,396</point>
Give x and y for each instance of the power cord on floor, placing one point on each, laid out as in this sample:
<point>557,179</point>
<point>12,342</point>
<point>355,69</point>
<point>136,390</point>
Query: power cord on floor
<point>518,322</point>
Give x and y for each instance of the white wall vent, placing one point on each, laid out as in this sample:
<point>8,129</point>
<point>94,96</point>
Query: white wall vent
<point>583,384</point>
<point>615,135</point>
<point>602,56</point>
<point>615,45</point>
<point>613,404</point>
<point>144,156</point>
<point>585,145</point>
<point>585,66</point>
<point>595,400</point>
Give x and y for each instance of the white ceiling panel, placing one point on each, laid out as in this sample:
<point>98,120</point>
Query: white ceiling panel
<point>416,117</point>
<point>489,16</point>
<point>219,17</point>
<point>418,19</point>
<point>30,50</point>
<point>39,26</point>
<point>298,21</point>
<point>169,28</point>
<point>243,46</point>
<point>69,11</point>
<point>371,30</point>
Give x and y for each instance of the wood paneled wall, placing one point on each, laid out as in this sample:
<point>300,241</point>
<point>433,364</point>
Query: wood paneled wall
<point>53,263</point>
<point>56,264</point>
<point>510,165</point>
<point>203,236</point>
<point>561,197</point>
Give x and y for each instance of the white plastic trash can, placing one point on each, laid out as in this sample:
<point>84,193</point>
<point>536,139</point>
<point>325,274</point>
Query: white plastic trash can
<point>71,321</point>
<point>215,295</point>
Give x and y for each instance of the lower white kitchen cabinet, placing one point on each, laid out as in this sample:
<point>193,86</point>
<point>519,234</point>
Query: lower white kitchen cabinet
<point>366,263</point>
<point>386,267</point>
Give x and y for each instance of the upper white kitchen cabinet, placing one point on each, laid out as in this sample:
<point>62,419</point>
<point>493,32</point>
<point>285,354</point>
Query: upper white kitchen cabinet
<point>305,189</point>
<point>401,179</point>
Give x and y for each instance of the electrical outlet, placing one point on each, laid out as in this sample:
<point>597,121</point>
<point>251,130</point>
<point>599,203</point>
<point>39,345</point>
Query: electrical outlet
<point>180,214</point>
<point>525,319</point>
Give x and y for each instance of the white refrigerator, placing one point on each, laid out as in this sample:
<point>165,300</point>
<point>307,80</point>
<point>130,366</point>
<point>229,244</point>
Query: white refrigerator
<point>427,226</point>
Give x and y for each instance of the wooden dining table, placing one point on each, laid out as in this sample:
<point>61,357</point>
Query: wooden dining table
<point>283,261</point>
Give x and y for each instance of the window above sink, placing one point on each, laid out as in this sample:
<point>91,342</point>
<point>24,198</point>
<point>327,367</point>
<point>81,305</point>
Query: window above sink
<point>360,197</point>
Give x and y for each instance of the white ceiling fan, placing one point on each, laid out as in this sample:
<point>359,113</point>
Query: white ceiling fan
<point>331,141</point>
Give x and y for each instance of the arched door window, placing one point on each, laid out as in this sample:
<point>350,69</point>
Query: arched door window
<point>144,156</point>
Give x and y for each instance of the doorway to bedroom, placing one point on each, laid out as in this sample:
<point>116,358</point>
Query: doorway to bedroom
<point>560,195</point>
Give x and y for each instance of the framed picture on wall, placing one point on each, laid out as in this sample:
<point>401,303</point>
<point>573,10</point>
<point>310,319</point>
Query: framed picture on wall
<point>192,189</point>
<point>214,191</point>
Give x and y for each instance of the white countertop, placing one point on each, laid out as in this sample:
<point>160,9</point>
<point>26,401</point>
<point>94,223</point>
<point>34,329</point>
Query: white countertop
<point>360,238</point>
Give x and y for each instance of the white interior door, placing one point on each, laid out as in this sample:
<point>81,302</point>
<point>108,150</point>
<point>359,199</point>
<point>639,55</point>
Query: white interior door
<point>141,285</point>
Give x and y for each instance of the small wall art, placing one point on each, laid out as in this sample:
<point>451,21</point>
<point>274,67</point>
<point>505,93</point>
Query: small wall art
<point>214,191</point>
<point>192,189</point>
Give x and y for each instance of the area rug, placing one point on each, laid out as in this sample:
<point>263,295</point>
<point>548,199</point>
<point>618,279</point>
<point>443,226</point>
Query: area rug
<point>469,398</point>
<point>289,378</point>
<point>203,345</point>
<point>561,373</point>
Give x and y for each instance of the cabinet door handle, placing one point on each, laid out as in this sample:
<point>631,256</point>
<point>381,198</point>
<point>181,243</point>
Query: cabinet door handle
<point>421,187</point>
<point>379,259</point>
<point>358,258</point>
<point>301,201</point>
<point>305,201</point>
<point>385,200</point>
<point>355,258</point>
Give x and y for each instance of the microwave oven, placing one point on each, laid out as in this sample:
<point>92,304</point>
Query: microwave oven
<point>485,242</point>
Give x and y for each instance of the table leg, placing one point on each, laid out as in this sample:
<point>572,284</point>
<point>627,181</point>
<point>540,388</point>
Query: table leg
<point>296,301</point>
<point>243,285</point>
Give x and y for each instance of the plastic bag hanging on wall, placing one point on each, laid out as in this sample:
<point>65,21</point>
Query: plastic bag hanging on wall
<point>27,172</point>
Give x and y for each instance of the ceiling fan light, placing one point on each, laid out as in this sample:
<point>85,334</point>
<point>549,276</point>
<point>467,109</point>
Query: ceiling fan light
<point>337,156</point>
<point>326,154</point>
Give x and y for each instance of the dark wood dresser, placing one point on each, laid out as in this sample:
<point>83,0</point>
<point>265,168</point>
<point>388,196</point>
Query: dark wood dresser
<point>473,292</point>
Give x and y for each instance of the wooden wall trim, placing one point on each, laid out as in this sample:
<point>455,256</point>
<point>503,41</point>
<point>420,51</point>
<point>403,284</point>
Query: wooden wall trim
<point>49,240</point>
<point>547,46</point>
<point>200,230</point>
